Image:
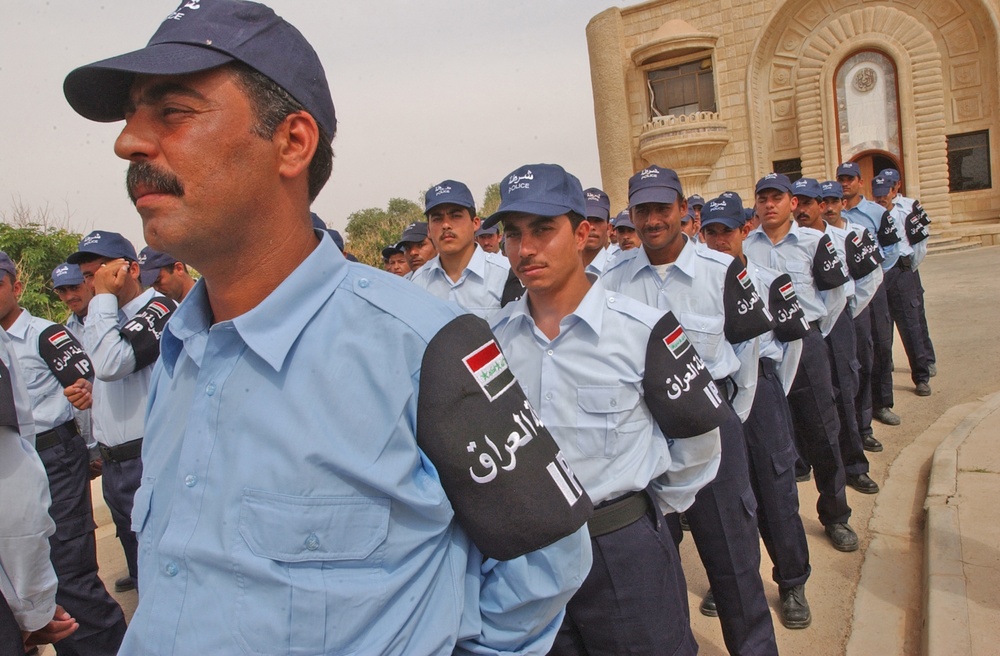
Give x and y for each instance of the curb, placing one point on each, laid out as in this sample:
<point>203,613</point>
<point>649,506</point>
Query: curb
<point>946,628</point>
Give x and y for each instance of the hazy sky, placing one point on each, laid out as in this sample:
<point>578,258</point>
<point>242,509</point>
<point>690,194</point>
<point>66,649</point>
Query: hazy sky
<point>424,91</point>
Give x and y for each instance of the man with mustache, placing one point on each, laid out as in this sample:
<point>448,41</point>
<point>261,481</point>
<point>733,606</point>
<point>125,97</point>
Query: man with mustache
<point>625,231</point>
<point>489,239</point>
<point>461,271</point>
<point>122,335</point>
<point>290,502</point>
<point>595,252</point>
<point>67,282</point>
<point>417,246</point>
<point>164,274</point>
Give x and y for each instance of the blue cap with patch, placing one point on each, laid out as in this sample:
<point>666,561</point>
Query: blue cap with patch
<point>892,175</point>
<point>101,243</point>
<point>807,187</point>
<point>150,263</point>
<point>832,189</point>
<point>598,204</point>
<point>732,196</point>
<point>449,191</point>
<point>389,251</point>
<point>696,201</point>
<point>623,220</point>
<point>777,181</point>
<point>66,275</point>
<point>881,187</point>
<point>201,35</point>
<point>415,232</point>
<point>727,211</point>
<point>654,184</point>
<point>542,189</point>
<point>849,168</point>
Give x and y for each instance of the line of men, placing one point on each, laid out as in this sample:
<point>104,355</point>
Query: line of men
<point>823,265</point>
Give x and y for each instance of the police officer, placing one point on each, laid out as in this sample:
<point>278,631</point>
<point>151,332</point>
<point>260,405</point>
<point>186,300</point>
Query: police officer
<point>417,247</point>
<point>164,274</point>
<point>122,335</point>
<point>52,359</point>
<point>595,253</point>
<point>394,260</point>
<point>859,210</point>
<point>580,353</point>
<point>461,271</point>
<point>67,282</point>
<point>771,451</point>
<point>715,302</point>
<point>841,339</point>
<point>625,231</point>
<point>695,205</point>
<point>810,259</point>
<point>489,239</point>
<point>864,255</point>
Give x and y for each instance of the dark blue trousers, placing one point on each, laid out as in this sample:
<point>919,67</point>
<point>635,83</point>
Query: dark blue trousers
<point>772,457</point>
<point>925,330</point>
<point>814,419</point>
<point>119,481</point>
<point>866,356</point>
<point>10,632</point>
<point>881,326</point>
<point>844,365</point>
<point>74,552</point>
<point>634,600</point>
<point>905,306</point>
<point>723,522</point>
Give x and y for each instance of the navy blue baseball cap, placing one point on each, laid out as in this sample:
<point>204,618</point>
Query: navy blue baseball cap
<point>727,211</point>
<point>654,184</point>
<point>732,196</point>
<point>318,223</point>
<point>881,186</point>
<point>688,216</point>
<point>832,189</point>
<point>101,243</point>
<point>7,265</point>
<point>492,230</point>
<point>201,35</point>
<point>849,168</point>
<point>748,213</point>
<point>389,251</point>
<point>415,232</point>
<point>449,191</point>
<point>598,204</point>
<point>807,187</point>
<point>542,189</point>
<point>150,263</point>
<point>777,181</point>
<point>695,200</point>
<point>623,220</point>
<point>66,275</point>
<point>892,175</point>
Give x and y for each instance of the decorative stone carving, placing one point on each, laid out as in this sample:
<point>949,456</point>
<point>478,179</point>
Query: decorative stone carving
<point>781,77</point>
<point>960,38</point>
<point>965,75</point>
<point>942,12</point>
<point>690,145</point>
<point>865,79</point>
<point>967,107</point>
<point>782,109</point>
<point>785,138</point>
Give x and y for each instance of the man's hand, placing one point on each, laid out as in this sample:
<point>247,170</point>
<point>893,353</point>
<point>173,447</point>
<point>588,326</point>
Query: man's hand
<point>111,277</point>
<point>60,626</point>
<point>80,394</point>
<point>96,467</point>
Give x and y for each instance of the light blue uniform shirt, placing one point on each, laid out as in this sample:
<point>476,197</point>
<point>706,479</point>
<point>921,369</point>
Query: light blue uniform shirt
<point>285,507</point>
<point>866,287</point>
<point>586,386</point>
<point>49,405</point>
<point>75,325</point>
<point>477,291</point>
<point>599,263</point>
<point>869,216</point>
<point>120,392</point>
<point>785,354</point>
<point>902,206</point>
<point>27,580</point>
<point>794,255</point>
<point>693,291</point>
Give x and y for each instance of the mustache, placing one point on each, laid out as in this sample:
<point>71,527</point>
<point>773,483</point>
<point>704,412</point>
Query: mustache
<point>149,177</point>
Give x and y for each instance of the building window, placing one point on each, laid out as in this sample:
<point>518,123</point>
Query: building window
<point>969,161</point>
<point>790,167</point>
<point>683,89</point>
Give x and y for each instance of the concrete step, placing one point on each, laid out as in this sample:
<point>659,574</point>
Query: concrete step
<point>952,245</point>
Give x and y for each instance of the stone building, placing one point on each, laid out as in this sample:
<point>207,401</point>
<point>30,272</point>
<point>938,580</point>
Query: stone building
<point>724,91</point>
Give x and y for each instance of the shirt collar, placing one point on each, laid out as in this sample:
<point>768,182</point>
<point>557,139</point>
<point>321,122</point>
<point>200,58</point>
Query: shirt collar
<point>476,265</point>
<point>19,328</point>
<point>684,261</point>
<point>590,310</point>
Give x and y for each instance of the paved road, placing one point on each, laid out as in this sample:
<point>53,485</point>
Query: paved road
<point>962,295</point>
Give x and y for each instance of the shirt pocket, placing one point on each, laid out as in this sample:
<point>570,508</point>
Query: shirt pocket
<point>309,572</point>
<point>603,414</point>
<point>705,332</point>
<point>800,273</point>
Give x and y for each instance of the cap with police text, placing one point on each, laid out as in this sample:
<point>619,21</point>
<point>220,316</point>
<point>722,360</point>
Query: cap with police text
<point>66,275</point>
<point>150,263</point>
<point>623,220</point>
<point>881,187</point>
<point>542,189</point>
<point>449,191</point>
<point>832,189</point>
<point>849,168</point>
<point>892,175</point>
<point>7,265</point>
<point>415,232</point>
<point>598,204</point>
<point>778,181</point>
<point>654,185</point>
<point>201,35</point>
<point>695,200</point>
<point>733,196</point>
<point>727,211</point>
<point>808,188</point>
<point>101,243</point>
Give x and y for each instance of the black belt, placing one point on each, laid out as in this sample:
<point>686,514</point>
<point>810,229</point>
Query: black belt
<point>55,436</point>
<point>618,514</point>
<point>122,452</point>
<point>815,324</point>
<point>905,262</point>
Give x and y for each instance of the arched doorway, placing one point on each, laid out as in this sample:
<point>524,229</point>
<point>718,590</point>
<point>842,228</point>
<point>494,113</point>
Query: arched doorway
<point>871,163</point>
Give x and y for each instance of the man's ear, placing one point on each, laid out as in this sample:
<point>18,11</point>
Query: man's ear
<point>296,140</point>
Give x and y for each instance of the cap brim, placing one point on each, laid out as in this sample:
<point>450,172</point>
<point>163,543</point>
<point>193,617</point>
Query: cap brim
<point>733,224</point>
<point>777,187</point>
<point>527,207</point>
<point>147,278</point>
<point>653,195</point>
<point>100,90</point>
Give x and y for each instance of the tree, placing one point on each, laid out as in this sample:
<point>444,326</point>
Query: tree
<point>491,200</point>
<point>372,229</point>
<point>36,243</point>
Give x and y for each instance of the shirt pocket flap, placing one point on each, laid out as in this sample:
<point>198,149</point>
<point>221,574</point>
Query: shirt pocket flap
<point>296,529</point>
<point>606,399</point>
<point>797,266</point>
<point>140,504</point>
<point>702,323</point>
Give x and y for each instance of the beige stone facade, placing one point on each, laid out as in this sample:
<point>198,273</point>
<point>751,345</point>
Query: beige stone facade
<point>794,84</point>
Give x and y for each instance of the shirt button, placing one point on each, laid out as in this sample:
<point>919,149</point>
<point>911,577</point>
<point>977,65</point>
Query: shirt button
<point>614,403</point>
<point>210,389</point>
<point>171,569</point>
<point>548,397</point>
<point>312,542</point>
<point>190,480</point>
<point>363,283</point>
<point>611,300</point>
<point>550,352</point>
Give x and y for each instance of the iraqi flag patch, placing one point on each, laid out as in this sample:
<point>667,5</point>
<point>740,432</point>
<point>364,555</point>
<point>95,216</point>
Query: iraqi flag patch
<point>59,339</point>
<point>159,309</point>
<point>744,278</point>
<point>488,366</point>
<point>787,291</point>
<point>677,343</point>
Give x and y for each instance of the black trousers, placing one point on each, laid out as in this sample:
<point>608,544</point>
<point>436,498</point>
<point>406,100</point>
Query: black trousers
<point>844,365</point>
<point>905,306</point>
<point>119,481</point>
<point>881,327</point>
<point>10,632</point>
<point>925,330</point>
<point>866,357</point>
